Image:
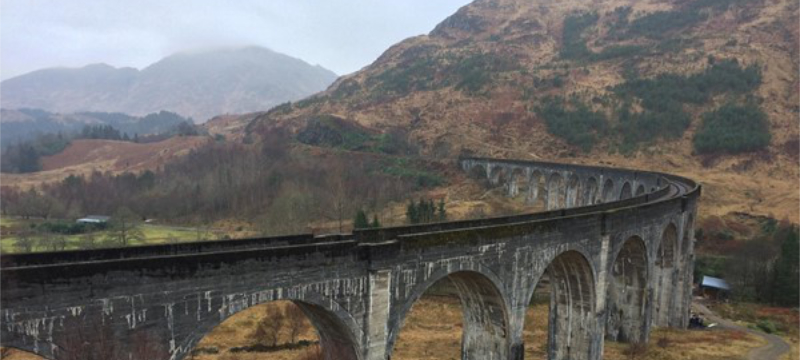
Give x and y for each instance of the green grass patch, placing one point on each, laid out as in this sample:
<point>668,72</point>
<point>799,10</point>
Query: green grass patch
<point>153,234</point>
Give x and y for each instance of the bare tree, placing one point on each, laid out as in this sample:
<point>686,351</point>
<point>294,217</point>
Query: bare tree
<point>124,227</point>
<point>87,340</point>
<point>268,329</point>
<point>53,242</point>
<point>337,196</point>
<point>88,241</point>
<point>25,242</point>
<point>297,321</point>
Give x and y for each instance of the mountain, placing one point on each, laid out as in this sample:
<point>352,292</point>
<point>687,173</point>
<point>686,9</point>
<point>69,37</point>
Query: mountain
<point>705,88</point>
<point>25,124</point>
<point>195,84</point>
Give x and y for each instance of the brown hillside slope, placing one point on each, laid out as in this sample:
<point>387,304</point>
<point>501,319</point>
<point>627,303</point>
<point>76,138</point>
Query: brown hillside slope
<point>424,85</point>
<point>82,157</point>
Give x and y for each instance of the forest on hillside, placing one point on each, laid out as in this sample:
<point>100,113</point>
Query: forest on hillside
<point>275,184</point>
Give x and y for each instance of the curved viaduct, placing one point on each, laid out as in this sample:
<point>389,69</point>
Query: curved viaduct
<point>615,245</point>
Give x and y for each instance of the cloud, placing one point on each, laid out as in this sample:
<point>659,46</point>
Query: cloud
<point>342,35</point>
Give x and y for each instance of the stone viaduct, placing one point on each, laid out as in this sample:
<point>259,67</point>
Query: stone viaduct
<point>615,245</point>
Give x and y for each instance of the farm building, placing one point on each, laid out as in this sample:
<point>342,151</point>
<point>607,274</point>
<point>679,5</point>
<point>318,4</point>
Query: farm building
<point>93,219</point>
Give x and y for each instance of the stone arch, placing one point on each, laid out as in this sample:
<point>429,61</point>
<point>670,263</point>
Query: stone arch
<point>573,192</point>
<point>555,191</point>
<point>334,326</point>
<point>590,191</point>
<point>665,275</point>
<point>478,172</point>
<point>498,175</point>
<point>518,182</point>
<point>485,331</point>
<point>572,319</point>
<point>626,192</point>
<point>608,191</point>
<point>538,185</point>
<point>626,300</point>
<point>640,190</point>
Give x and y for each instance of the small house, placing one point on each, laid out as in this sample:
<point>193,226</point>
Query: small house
<point>94,220</point>
<point>714,288</point>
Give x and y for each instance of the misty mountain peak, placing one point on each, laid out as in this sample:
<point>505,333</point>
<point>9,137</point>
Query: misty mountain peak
<point>199,84</point>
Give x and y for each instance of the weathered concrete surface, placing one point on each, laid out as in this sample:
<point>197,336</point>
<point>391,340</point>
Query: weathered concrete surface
<point>617,262</point>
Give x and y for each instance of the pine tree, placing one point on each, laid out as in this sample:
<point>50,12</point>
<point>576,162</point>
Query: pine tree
<point>786,271</point>
<point>442,213</point>
<point>412,213</point>
<point>375,223</point>
<point>361,221</point>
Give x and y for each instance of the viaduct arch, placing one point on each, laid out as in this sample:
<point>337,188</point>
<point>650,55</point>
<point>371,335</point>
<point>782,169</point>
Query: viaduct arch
<point>616,245</point>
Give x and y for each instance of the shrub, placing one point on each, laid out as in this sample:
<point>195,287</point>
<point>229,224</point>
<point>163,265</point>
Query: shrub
<point>766,326</point>
<point>579,127</point>
<point>733,129</point>
<point>573,46</point>
<point>663,97</point>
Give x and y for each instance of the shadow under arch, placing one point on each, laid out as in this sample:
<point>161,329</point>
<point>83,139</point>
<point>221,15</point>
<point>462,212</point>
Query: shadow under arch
<point>572,319</point>
<point>607,194</point>
<point>538,189</point>
<point>626,301</point>
<point>574,196</point>
<point>626,192</point>
<point>484,309</point>
<point>590,191</point>
<point>519,183</point>
<point>665,275</point>
<point>333,327</point>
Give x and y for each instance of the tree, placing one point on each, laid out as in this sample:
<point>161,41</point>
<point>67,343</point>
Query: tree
<point>412,215</point>
<point>361,221</point>
<point>88,241</point>
<point>786,271</point>
<point>25,242</point>
<point>442,212</point>
<point>297,321</point>
<point>268,329</point>
<point>375,222</point>
<point>53,242</point>
<point>124,229</point>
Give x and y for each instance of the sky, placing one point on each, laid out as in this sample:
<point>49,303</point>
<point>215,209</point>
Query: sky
<point>341,35</point>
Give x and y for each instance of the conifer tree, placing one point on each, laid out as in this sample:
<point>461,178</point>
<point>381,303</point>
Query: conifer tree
<point>361,221</point>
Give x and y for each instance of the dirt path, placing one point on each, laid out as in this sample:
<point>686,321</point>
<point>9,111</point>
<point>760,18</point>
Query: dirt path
<point>774,349</point>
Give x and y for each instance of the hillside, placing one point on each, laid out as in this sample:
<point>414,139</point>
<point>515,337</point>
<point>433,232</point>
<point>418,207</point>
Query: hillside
<point>623,83</point>
<point>25,124</point>
<point>83,157</point>
<point>194,84</point>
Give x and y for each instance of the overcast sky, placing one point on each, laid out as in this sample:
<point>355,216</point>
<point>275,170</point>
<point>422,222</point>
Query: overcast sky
<point>341,35</point>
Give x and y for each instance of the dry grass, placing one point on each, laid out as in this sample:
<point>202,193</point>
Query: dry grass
<point>689,345</point>
<point>82,157</point>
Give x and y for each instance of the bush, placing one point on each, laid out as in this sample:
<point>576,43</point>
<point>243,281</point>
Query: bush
<point>578,127</point>
<point>573,46</point>
<point>663,97</point>
<point>733,129</point>
<point>766,326</point>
